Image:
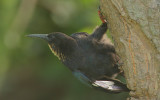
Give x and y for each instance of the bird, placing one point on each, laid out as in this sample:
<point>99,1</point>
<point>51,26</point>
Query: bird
<point>90,57</point>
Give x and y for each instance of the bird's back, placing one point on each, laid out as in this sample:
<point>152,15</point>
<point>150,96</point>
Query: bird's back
<point>94,58</point>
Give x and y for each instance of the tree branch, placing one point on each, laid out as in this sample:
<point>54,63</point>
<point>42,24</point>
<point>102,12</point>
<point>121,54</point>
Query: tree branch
<point>135,28</point>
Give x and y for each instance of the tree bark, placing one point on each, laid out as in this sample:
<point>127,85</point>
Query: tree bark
<point>135,28</point>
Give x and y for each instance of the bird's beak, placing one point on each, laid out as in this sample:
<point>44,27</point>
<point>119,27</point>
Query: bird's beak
<point>41,36</point>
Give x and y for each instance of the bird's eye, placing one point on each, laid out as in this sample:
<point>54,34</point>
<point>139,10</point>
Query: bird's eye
<point>51,37</point>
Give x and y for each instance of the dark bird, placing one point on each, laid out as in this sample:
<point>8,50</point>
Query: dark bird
<point>91,58</point>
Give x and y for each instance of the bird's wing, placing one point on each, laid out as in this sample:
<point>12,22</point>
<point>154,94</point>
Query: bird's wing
<point>84,79</point>
<point>79,35</point>
<point>110,49</point>
<point>110,85</point>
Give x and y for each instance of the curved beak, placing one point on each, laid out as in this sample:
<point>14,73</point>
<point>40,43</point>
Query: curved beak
<point>41,36</point>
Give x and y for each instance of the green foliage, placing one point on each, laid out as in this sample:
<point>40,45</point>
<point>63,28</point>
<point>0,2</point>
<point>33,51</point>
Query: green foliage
<point>28,69</point>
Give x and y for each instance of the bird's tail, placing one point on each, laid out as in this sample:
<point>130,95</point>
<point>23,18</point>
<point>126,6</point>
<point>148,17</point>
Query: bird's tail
<point>110,85</point>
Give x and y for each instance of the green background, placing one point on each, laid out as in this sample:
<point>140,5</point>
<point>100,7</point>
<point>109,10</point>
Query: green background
<point>28,69</point>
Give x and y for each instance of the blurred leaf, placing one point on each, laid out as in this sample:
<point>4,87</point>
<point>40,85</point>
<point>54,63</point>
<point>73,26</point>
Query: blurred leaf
<point>28,69</point>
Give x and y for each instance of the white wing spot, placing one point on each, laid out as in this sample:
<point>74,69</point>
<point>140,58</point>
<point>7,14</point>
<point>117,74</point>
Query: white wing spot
<point>104,84</point>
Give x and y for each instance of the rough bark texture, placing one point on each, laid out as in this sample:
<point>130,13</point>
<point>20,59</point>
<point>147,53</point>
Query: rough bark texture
<point>135,28</point>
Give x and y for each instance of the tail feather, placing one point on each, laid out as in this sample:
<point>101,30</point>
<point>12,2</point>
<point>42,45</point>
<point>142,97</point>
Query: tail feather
<point>110,85</point>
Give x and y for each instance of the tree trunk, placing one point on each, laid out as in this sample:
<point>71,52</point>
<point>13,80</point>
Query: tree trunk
<point>135,28</point>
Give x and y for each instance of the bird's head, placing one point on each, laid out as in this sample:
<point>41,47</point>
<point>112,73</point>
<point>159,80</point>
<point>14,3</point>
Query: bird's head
<point>61,44</point>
